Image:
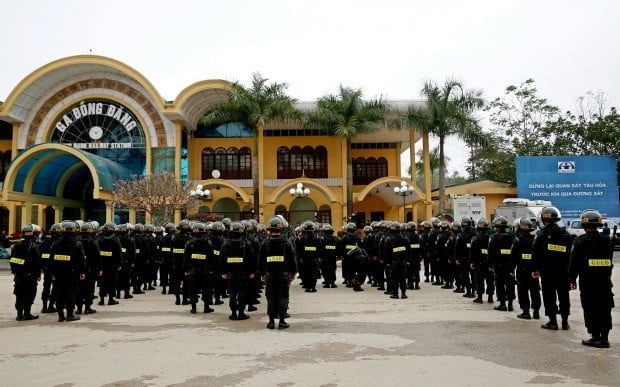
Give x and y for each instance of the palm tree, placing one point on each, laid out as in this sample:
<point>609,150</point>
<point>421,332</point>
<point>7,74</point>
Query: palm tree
<point>434,167</point>
<point>255,106</point>
<point>346,115</point>
<point>449,111</point>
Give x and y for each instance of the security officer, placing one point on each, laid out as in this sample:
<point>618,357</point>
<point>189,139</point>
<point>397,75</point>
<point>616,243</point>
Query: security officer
<point>309,250</point>
<point>479,262</point>
<point>238,267</point>
<point>86,288</point>
<point>68,266</point>
<point>550,260</point>
<point>424,247</point>
<point>442,254</point>
<point>217,241</point>
<point>165,268</point>
<point>461,256</point>
<point>26,268</point>
<point>348,242</point>
<point>128,250</point>
<point>449,260</point>
<point>521,259</point>
<point>278,267</point>
<point>149,272</point>
<point>435,269</point>
<point>328,266</point>
<point>413,270</point>
<point>111,262</point>
<point>591,262</point>
<point>500,245</point>
<point>48,295</point>
<point>142,255</point>
<point>197,263</point>
<point>378,267</point>
<point>180,286</point>
<point>397,253</point>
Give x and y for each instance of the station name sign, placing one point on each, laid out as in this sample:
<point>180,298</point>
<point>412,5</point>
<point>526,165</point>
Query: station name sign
<point>85,110</point>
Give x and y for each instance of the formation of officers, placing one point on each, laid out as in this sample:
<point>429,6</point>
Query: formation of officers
<point>209,262</point>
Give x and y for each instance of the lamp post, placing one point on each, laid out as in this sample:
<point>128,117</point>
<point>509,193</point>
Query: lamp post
<point>299,192</point>
<point>404,190</point>
<point>200,193</point>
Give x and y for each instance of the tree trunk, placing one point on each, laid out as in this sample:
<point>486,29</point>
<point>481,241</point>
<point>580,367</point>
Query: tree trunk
<point>442,176</point>
<point>349,181</point>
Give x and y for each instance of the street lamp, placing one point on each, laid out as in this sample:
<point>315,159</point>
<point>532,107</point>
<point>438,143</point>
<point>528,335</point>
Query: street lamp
<point>404,190</point>
<point>299,192</point>
<point>200,193</point>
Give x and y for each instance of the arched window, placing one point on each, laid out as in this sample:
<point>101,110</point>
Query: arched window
<point>309,161</point>
<point>367,170</point>
<point>232,163</point>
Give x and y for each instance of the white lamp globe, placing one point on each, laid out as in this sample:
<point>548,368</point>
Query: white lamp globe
<point>207,192</point>
<point>403,183</point>
<point>396,190</point>
<point>299,185</point>
<point>292,191</point>
<point>199,187</point>
<point>307,191</point>
<point>192,193</point>
<point>403,189</point>
<point>410,188</point>
<point>299,191</point>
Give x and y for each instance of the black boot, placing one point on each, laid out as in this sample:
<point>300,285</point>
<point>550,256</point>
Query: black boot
<point>565,325</point>
<point>79,309</point>
<point>490,300</point>
<point>525,315</point>
<point>242,316</point>
<point>61,315</point>
<point>536,314</point>
<point>127,295</point>
<point>20,315</point>
<point>252,308</point>
<point>552,324</point>
<point>594,341</point>
<point>403,296</point>
<point>282,324</point>
<point>163,290</point>
<point>510,307</point>
<point>233,316</point>
<point>208,309</point>
<point>272,323</point>
<point>501,307</point>
<point>112,301</point>
<point>28,315</point>
<point>478,300</point>
<point>71,317</point>
<point>178,300</point>
<point>44,309</point>
<point>193,310</point>
<point>604,342</point>
<point>102,301</point>
<point>218,301</point>
<point>89,310</point>
<point>51,308</point>
<point>394,295</point>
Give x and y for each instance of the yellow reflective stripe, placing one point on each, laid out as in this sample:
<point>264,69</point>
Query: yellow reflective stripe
<point>123,250</point>
<point>330,247</point>
<point>106,253</point>
<point>350,247</point>
<point>309,248</point>
<point>484,251</point>
<point>45,255</point>
<point>469,245</point>
<point>199,256</point>
<point>59,257</point>
<point>216,252</point>
<point>17,261</point>
<point>560,248</point>
<point>415,246</point>
<point>599,262</point>
<point>526,256</point>
<point>178,251</point>
<point>504,251</point>
<point>275,258</point>
<point>234,260</point>
<point>398,249</point>
<point>137,251</point>
<point>165,249</point>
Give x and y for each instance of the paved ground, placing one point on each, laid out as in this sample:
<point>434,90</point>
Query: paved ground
<point>337,337</point>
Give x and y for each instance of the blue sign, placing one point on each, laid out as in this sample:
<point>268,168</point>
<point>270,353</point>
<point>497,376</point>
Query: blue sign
<point>571,183</point>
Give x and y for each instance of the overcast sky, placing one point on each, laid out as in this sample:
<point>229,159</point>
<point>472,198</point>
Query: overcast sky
<point>385,47</point>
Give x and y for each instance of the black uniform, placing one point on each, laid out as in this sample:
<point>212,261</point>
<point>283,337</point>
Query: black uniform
<point>527,286</point>
<point>309,250</point>
<point>48,294</point>
<point>26,268</point>
<point>479,261</point>
<point>461,257</point>
<point>413,269</point>
<point>348,242</point>
<point>198,263</point>
<point>328,262</point>
<point>128,250</point>
<point>591,262</point>
<point>178,276</point>
<point>397,253</point>
<point>500,245</point>
<point>442,255</point>
<point>111,260</point>
<point>278,264</point>
<point>551,258</point>
<point>239,265</point>
<point>86,287</point>
<point>68,265</point>
<point>165,267</point>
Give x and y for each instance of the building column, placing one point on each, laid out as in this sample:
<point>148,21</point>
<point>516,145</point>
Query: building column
<point>343,171</point>
<point>178,137</point>
<point>14,142</point>
<point>26,213</point>
<point>414,208</point>
<point>57,213</point>
<point>109,211</point>
<point>427,176</point>
<point>147,217</point>
<point>83,214</point>
<point>41,215</point>
<point>260,206</point>
<point>12,218</point>
<point>132,216</point>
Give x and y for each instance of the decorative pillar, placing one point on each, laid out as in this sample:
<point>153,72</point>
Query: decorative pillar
<point>26,213</point>
<point>109,211</point>
<point>427,176</point>
<point>414,207</point>
<point>41,215</point>
<point>132,216</point>
<point>83,213</point>
<point>260,206</point>
<point>12,218</point>
<point>178,136</point>
<point>57,213</point>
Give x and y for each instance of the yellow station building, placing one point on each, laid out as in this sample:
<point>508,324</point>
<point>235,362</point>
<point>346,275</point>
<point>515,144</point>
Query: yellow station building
<point>72,128</point>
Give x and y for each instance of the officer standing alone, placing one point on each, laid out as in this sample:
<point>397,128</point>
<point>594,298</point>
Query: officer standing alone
<point>26,268</point>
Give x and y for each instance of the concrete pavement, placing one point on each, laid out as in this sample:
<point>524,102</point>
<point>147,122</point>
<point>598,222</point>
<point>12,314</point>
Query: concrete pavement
<point>337,338</point>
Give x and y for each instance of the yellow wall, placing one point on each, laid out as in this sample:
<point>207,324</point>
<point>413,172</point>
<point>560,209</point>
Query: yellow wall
<point>270,153</point>
<point>376,204</point>
<point>6,145</point>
